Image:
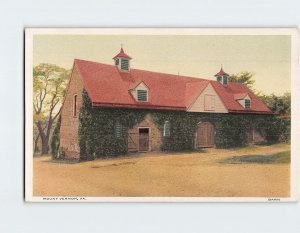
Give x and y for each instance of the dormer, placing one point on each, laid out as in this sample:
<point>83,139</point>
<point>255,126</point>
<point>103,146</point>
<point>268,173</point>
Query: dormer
<point>222,77</point>
<point>243,99</point>
<point>122,61</point>
<point>140,93</point>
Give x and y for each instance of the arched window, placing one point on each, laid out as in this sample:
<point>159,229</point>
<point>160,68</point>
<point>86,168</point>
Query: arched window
<point>118,129</point>
<point>75,106</point>
<point>167,129</point>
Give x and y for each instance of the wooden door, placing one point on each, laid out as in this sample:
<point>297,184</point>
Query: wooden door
<point>143,139</point>
<point>133,140</point>
<point>205,134</point>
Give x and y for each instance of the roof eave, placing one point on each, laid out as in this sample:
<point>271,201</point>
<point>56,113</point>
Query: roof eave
<point>251,112</point>
<point>137,106</point>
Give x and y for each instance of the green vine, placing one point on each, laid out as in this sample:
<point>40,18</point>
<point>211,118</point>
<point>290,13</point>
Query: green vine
<point>98,138</point>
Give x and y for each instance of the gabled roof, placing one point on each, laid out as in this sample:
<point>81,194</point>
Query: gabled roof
<point>122,54</point>
<point>108,87</point>
<point>227,96</point>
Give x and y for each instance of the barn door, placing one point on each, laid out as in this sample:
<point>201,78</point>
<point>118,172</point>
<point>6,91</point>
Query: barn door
<point>133,138</point>
<point>205,134</point>
<point>143,139</point>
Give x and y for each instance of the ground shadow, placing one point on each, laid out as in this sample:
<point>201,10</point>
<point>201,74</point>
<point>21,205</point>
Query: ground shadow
<point>282,157</point>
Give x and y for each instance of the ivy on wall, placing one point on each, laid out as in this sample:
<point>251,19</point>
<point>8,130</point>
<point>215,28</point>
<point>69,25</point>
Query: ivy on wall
<point>98,138</point>
<point>97,134</point>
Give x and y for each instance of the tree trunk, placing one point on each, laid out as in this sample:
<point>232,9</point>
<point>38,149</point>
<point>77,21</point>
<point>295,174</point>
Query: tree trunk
<point>45,147</point>
<point>36,143</point>
<point>44,138</point>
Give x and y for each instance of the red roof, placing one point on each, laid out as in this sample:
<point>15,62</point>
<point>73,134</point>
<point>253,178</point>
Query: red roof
<point>122,54</point>
<point>108,87</point>
<point>221,73</point>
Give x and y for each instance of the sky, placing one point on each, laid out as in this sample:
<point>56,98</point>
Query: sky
<point>267,56</point>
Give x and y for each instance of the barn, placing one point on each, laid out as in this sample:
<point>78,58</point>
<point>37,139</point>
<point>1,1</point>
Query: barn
<point>118,89</point>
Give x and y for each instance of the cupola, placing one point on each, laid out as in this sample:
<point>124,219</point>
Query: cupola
<point>222,77</point>
<point>122,61</point>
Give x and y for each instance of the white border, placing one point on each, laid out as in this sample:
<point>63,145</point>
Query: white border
<point>295,89</point>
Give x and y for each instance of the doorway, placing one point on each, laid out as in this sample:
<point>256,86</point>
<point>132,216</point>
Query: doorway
<point>144,139</point>
<point>205,135</point>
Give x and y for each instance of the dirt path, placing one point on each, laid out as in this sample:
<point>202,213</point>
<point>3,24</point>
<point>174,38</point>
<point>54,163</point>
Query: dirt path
<point>177,175</point>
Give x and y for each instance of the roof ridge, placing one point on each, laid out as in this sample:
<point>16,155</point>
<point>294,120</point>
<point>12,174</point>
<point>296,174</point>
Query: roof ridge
<point>155,72</point>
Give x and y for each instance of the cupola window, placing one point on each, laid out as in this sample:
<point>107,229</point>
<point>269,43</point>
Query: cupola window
<point>124,64</point>
<point>122,61</point>
<point>225,80</point>
<point>222,77</point>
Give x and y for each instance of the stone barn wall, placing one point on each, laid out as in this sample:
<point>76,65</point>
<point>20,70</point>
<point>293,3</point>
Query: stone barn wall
<point>69,121</point>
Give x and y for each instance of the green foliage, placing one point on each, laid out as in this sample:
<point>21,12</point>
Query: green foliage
<point>55,138</point>
<point>97,134</point>
<point>231,130</point>
<point>278,104</point>
<point>244,77</point>
<point>97,137</point>
<point>276,130</point>
<point>49,86</point>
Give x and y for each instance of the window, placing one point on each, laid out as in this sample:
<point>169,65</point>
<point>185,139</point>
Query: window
<point>118,129</point>
<point>247,104</point>
<point>225,80</point>
<point>117,61</point>
<point>167,129</point>
<point>142,95</point>
<point>124,64</point>
<point>219,79</point>
<point>75,106</point>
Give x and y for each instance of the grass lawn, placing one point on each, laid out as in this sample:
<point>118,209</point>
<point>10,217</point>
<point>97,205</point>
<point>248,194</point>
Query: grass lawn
<point>258,171</point>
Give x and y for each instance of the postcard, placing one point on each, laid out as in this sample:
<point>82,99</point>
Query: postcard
<point>161,114</point>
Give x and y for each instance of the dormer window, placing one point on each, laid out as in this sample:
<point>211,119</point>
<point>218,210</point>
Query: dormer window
<point>247,103</point>
<point>243,99</point>
<point>140,92</point>
<point>142,95</point>
<point>122,61</point>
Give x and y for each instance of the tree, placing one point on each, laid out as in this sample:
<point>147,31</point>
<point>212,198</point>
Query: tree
<point>54,142</point>
<point>244,77</point>
<point>36,139</point>
<point>49,85</point>
<point>278,104</point>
